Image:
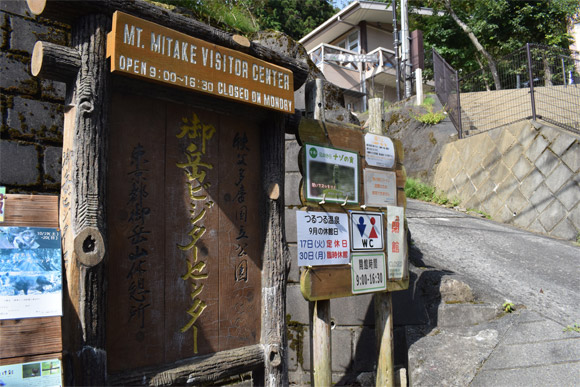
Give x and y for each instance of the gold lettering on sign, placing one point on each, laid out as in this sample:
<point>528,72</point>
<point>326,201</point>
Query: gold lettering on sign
<point>149,51</point>
<point>195,169</point>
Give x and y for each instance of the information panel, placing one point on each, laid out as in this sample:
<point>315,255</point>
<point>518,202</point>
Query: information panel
<point>30,272</point>
<point>331,175</point>
<point>322,238</point>
<point>368,272</point>
<point>149,51</point>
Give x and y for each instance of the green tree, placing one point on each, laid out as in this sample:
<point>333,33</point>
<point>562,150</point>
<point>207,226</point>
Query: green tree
<point>494,28</point>
<point>294,17</point>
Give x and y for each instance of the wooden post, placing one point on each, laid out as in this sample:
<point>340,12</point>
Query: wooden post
<point>82,209</point>
<point>383,302</point>
<point>274,257</point>
<point>320,359</point>
<point>321,367</point>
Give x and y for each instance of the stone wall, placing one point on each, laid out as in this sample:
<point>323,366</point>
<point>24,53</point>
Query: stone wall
<point>525,174</point>
<point>31,124</point>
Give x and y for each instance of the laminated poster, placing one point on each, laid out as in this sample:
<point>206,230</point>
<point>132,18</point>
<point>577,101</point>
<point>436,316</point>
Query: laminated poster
<point>43,373</point>
<point>30,272</point>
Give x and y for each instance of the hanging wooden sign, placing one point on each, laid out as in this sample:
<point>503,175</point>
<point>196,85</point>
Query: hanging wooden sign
<point>149,51</point>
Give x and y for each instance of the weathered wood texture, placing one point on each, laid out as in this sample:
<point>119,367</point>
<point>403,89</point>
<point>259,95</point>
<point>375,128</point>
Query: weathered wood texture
<point>30,336</point>
<point>66,12</point>
<point>321,374</point>
<point>275,254</point>
<point>82,210</point>
<point>202,370</point>
<point>31,210</point>
<point>152,157</point>
<point>327,282</point>
<point>56,62</point>
<point>35,338</point>
<point>384,336</point>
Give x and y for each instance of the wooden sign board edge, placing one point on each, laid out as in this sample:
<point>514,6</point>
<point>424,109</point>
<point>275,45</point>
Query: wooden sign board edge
<point>112,50</point>
<point>314,283</point>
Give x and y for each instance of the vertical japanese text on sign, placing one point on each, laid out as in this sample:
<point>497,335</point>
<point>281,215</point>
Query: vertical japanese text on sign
<point>197,135</point>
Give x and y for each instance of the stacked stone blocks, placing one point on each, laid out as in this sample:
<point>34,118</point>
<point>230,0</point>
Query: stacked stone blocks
<point>525,174</point>
<point>31,109</point>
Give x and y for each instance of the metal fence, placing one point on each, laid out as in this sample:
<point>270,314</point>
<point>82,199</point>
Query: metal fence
<point>447,89</point>
<point>535,82</point>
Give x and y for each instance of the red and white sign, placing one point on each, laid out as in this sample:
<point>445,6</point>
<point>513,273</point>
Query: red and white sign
<point>366,231</point>
<point>396,249</point>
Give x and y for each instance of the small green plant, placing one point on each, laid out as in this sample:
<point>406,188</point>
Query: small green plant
<point>431,117</point>
<point>573,328</point>
<point>508,307</point>
<point>482,213</point>
<point>415,189</point>
<point>578,239</point>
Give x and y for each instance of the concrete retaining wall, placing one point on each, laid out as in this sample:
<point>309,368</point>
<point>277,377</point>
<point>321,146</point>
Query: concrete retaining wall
<point>31,123</point>
<point>526,174</point>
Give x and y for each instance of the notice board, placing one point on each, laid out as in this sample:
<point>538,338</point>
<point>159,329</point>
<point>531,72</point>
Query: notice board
<point>184,267</point>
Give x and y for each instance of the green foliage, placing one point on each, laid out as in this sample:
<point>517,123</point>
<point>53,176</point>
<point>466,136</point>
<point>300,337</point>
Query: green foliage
<point>508,307</point>
<point>293,17</point>
<point>501,26</point>
<point>415,189</point>
<point>431,118</point>
<point>573,328</point>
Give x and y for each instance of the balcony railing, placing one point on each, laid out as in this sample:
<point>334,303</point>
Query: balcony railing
<point>385,59</point>
<point>317,55</point>
<point>386,62</point>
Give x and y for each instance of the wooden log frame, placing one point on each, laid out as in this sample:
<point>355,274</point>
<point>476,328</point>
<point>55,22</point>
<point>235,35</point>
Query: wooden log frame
<point>82,207</point>
<point>64,12</point>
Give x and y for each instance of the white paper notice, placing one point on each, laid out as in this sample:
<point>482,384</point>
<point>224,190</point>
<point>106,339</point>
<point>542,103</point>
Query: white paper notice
<point>380,188</point>
<point>379,151</point>
<point>323,238</point>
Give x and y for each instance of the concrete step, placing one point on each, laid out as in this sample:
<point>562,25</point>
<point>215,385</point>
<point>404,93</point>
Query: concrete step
<point>465,314</point>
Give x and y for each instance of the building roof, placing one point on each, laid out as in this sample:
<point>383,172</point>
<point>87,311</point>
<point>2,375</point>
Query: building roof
<point>349,17</point>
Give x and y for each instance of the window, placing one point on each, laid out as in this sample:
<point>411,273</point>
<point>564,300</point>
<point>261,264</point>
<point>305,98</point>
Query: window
<point>351,42</point>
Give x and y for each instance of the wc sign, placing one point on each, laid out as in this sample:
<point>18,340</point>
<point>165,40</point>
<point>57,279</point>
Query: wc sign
<point>366,231</point>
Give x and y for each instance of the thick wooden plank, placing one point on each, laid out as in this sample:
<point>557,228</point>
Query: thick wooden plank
<point>196,65</point>
<point>202,370</point>
<point>31,210</point>
<point>239,228</point>
<point>327,282</point>
<point>30,337</point>
<point>135,213</point>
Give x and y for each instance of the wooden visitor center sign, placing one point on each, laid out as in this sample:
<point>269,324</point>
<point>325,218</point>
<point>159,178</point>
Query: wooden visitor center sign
<point>149,51</point>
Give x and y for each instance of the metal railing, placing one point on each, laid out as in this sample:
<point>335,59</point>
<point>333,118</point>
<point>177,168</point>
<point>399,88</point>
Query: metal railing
<point>535,82</point>
<point>447,89</point>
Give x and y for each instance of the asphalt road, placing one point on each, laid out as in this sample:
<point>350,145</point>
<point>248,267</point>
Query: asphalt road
<point>539,272</point>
